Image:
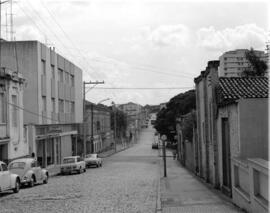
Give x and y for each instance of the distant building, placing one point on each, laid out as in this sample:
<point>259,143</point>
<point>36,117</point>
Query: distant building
<point>162,106</point>
<point>52,98</point>
<point>12,143</point>
<point>134,117</point>
<point>98,119</point>
<point>233,63</point>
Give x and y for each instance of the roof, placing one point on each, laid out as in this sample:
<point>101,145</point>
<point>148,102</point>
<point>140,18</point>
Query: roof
<point>234,88</point>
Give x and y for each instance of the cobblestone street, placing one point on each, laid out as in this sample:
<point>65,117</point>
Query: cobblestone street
<point>127,182</point>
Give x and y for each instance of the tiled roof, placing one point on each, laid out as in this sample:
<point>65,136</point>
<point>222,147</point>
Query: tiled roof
<point>230,89</point>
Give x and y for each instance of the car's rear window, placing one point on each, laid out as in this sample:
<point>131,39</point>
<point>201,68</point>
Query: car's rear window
<point>17,165</point>
<point>69,160</point>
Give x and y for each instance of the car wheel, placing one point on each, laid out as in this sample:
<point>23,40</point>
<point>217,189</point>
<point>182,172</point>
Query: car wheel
<point>45,181</point>
<point>31,182</point>
<point>17,186</point>
<point>84,170</point>
<point>80,170</point>
<point>97,165</point>
<point>100,164</point>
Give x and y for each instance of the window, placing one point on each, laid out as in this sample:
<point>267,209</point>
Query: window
<point>4,167</point>
<point>72,80</point>
<point>14,111</point>
<point>53,71</point>
<point>61,105</point>
<point>66,77</point>
<point>53,104</point>
<point>44,103</point>
<point>67,107</point>
<point>98,125</point>
<point>60,75</point>
<point>72,108</point>
<point>2,108</point>
<point>43,67</point>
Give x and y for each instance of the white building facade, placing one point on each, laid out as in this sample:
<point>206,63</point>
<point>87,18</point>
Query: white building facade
<point>12,143</point>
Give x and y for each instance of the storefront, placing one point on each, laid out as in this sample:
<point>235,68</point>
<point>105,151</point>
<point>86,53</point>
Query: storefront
<point>53,142</point>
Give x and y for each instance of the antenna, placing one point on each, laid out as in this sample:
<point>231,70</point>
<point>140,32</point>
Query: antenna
<point>11,21</point>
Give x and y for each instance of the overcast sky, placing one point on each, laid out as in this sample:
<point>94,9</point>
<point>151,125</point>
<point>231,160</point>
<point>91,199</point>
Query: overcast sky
<point>133,43</point>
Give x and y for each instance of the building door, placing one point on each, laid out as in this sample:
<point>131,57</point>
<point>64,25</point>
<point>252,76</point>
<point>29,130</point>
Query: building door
<point>226,161</point>
<point>4,153</point>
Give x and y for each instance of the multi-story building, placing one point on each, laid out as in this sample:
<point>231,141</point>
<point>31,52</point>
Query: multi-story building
<point>233,63</point>
<point>52,97</point>
<point>98,131</point>
<point>12,143</point>
<point>134,118</point>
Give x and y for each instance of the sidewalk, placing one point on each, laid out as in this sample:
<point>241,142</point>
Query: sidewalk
<point>181,191</point>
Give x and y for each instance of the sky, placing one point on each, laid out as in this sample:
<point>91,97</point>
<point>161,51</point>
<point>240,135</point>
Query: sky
<point>141,43</point>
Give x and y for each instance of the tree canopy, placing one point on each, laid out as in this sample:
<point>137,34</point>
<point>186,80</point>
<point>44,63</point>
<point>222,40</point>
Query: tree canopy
<point>180,104</point>
<point>257,66</point>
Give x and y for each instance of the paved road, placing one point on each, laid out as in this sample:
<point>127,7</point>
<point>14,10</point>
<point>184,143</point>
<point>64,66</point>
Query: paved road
<point>127,182</point>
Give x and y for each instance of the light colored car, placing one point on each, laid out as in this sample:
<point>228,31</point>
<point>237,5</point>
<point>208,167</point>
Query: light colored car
<point>73,164</point>
<point>8,181</point>
<point>29,171</point>
<point>93,159</point>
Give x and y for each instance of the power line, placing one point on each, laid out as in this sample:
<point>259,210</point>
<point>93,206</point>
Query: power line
<point>30,112</point>
<point>142,88</point>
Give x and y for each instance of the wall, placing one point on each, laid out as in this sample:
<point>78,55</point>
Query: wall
<point>230,112</point>
<point>254,128</point>
<point>66,146</point>
<point>27,53</point>
<point>78,95</point>
<point>250,184</point>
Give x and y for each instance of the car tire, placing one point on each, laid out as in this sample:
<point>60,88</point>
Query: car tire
<point>80,170</point>
<point>17,186</point>
<point>31,182</point>
<point>84,170</point>
<point>45,181</point>
<point>100,164</point>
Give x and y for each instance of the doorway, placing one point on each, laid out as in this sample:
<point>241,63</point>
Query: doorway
<point>226,161</point>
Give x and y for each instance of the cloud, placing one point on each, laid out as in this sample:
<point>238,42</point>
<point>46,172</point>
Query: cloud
<point>243,36</point>
<point>168,35</point>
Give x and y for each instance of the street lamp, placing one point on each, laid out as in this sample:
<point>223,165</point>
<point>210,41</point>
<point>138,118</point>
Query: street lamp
<point>114,112</point>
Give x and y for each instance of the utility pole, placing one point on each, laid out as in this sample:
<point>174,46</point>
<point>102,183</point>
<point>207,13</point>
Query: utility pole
<point>114,124</point>
<point>84,114</point>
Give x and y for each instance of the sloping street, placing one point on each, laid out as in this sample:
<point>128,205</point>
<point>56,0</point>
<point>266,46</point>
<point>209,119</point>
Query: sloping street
<point>127,182</point>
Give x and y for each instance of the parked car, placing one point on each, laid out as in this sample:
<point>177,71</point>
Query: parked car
<point>29,171</point>
<point>155,145</point>
<point>73,164</point>
<point>93,159</point>
<point>8,181</point>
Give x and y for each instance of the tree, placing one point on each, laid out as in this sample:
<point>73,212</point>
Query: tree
<point>179,105</point>
<point>257,66</point>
